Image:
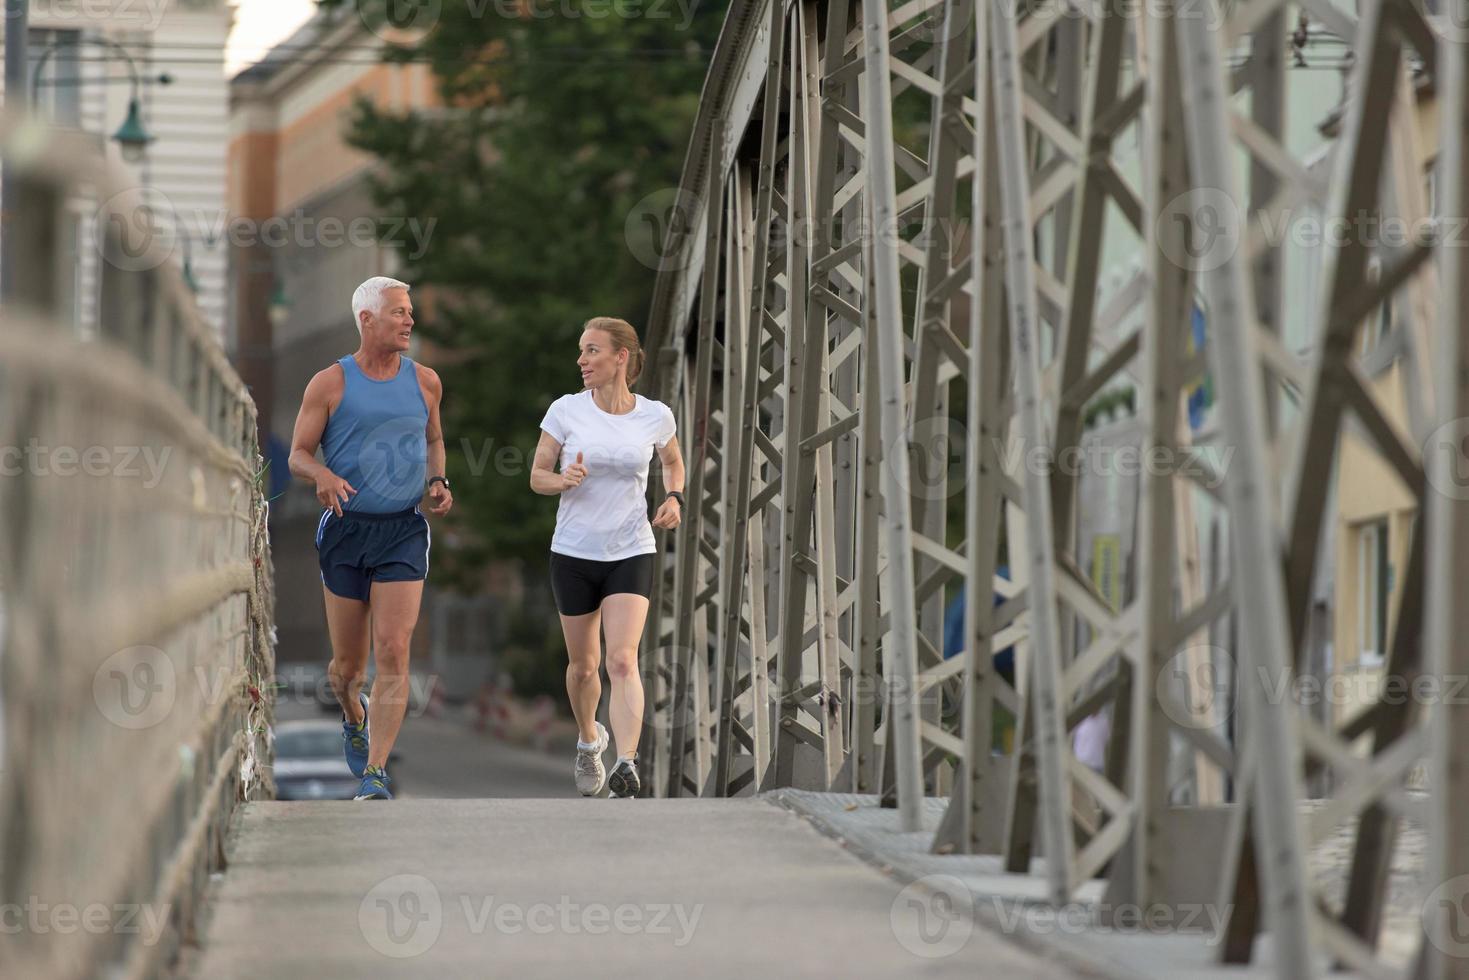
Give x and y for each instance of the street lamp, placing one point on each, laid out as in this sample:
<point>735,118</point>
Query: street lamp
<point>131,136</point>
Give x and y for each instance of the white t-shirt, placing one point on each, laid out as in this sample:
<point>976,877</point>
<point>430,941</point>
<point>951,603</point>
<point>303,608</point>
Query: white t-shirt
<point>606,517</point>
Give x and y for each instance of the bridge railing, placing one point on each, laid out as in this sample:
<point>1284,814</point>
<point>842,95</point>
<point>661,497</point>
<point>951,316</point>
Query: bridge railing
<point>137,643</point>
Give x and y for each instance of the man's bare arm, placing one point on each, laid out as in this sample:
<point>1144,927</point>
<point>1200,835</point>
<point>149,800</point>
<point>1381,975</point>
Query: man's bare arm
<point>434,435</point>
<point>316,405</point>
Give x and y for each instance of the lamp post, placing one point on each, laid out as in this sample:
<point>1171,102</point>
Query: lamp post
<point>280,305</point>
<point>188,264</point>
<point>131,135</point>
<point>16,34</point>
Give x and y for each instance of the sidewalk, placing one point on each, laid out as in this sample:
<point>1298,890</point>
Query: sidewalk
<point>579,888</point>
<point>1015,905</point>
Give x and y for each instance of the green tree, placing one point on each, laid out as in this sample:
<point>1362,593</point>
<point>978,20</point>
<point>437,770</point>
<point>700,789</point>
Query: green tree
<point>560,117</point>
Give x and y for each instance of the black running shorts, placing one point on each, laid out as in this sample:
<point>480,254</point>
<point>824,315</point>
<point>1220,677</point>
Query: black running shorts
<point>581,584</point>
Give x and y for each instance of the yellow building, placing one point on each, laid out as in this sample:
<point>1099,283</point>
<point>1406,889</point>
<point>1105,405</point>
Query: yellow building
<point>1375,511</point>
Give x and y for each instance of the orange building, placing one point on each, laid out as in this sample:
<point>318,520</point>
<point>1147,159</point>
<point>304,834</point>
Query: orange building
<point>304,235</point>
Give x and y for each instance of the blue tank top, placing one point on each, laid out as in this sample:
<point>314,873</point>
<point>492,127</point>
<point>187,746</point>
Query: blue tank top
<point>376,439</point>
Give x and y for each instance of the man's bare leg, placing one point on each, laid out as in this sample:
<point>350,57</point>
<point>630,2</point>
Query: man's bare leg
<point>394,615</point>
<point>346,622</point>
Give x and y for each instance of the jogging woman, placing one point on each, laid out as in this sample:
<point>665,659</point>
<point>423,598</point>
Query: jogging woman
<point>602,551</point>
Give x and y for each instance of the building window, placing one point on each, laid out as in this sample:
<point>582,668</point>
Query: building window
<point>1379,323</point>
<point>58,91</point>
<point>1374,585</point>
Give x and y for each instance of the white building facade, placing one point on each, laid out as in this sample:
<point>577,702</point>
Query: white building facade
<point>83,54</point>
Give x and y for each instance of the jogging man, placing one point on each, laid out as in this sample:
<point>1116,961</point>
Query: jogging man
<point>375,415</point>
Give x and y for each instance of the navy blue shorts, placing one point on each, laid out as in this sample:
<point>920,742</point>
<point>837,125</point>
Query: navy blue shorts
<point>355,550</point>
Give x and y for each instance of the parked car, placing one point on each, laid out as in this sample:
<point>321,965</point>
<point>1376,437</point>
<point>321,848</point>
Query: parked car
<point>310,765</point>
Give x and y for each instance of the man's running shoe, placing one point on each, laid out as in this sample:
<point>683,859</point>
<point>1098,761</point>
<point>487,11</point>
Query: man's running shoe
<point>624,781</point>
<point>375,782</point>
<point>589,769</point>
<point>354,740</point>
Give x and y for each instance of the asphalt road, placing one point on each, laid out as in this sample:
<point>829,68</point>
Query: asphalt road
<point>445,758</point>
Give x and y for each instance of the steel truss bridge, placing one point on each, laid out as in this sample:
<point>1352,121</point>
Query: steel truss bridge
<point>882,313</point>
<point>888,235</point>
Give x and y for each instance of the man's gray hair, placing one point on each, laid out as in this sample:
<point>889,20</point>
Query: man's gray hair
<point>369,296</point>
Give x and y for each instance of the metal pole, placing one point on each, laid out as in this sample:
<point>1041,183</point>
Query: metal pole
<point>1264,617</point>
<point>16,84</point>
<point>1045,683</point>
<point>900,647</point>
<point>1448,529</point>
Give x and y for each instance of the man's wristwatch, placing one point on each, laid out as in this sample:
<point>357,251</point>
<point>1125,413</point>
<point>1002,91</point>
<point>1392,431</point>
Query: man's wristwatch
<point>676,496</point>
<point>437,479</point>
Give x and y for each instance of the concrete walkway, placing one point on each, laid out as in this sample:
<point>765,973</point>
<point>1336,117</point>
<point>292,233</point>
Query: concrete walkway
<point>590,889</point>
<point>1165,943</point>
